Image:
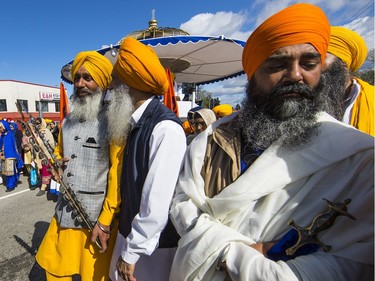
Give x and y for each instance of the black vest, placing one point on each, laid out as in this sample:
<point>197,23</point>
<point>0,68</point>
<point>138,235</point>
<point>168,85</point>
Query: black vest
<point>135,169</point>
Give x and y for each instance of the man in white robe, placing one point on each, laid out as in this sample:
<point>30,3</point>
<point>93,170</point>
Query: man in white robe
<point>249,174</point>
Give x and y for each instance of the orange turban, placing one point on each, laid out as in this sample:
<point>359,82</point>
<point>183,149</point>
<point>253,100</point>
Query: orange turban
<point>296,24</point>
<point>99,67</point>
<point>139,67</point>
<point>187,128</point>
<point>349,46</point>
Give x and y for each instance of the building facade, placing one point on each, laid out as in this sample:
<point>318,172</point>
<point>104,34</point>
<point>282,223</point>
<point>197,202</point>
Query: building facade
<point>39,100</point>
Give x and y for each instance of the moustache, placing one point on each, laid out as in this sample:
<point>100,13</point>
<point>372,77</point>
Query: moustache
<point>301,90</point>
<point>83,91</point>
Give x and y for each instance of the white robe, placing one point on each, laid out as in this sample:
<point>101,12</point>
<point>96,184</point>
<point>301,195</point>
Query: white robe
<point>279,186</point>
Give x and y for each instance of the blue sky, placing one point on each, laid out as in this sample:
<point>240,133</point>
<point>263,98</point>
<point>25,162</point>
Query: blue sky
<point>38,37</point>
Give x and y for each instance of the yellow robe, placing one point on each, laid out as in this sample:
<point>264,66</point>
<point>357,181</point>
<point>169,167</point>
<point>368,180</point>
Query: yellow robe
<point>362,115</point>
<point>66,251</point>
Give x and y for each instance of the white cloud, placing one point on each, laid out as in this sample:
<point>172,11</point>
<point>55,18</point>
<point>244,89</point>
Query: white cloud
<point>229,91</point>
<point>365,28</point>
<point>220,23</point>
<point>230,25</point>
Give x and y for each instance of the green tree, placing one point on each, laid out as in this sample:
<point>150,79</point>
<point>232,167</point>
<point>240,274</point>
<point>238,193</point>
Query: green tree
<point>206,98</point>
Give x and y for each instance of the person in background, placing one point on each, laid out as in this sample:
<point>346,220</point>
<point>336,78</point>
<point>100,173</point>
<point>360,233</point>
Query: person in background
<point>28,156</point>
<point>222,110</point>
<point>188,129</point>
<point>11,160</point>
<point>259,183</point>
<point>54,130</point>
<point>347,52</point>
<point>18,137</point>
<point>147,240</point>
<point>190,114</point>
<point>44,167</point>
<point>201,120</point>
<point>68,247</point>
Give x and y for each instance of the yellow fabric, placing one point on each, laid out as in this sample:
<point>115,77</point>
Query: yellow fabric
<point>111,204</point>
<point>297,24</point>
<point>362,115</point>
<point>99,67</point>
<point>349,46</point>
<point>222,110</point>
<point>65,251</point>
<point>138,66</point>
<point>68,251</point>
<point>58,151</point>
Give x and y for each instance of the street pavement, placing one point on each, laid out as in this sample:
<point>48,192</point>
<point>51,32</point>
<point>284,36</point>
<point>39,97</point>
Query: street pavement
<point>24,219</point>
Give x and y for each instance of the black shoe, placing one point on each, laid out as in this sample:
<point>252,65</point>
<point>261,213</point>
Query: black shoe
<point>9,189</point>
<point>41,193</point>
<point>33,187</point>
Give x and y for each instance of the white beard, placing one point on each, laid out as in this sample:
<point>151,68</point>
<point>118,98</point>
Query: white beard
<point>120,109</point>
<point>87,107</point>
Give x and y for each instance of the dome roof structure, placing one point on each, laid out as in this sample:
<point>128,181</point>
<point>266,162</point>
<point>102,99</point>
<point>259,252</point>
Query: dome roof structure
<point>153,31</point>
<point>192,59</point>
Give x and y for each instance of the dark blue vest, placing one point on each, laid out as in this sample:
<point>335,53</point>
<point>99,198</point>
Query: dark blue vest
<point>135,169</point>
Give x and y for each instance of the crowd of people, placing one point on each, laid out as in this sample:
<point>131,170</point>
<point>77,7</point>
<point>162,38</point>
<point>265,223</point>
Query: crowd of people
<point>282,189</point>
<point>19,155</point>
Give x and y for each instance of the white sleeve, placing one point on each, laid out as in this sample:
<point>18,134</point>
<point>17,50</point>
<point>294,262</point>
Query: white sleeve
<point>167,149</point>
<point>246,263</point>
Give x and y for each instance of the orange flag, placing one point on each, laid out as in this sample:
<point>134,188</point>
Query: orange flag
<point>170,100</point>
<point>64,103</point>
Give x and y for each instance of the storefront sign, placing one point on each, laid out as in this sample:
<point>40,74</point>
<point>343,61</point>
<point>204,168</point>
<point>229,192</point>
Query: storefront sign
<point>48,96</point>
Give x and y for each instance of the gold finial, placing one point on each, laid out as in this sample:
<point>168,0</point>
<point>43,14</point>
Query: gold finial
<point>153,23</point>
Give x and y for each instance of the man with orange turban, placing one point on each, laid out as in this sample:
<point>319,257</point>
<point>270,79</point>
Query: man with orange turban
<point>147,241</point>
<point>69,247</point>
<point>347,52</point>
<point>247,176</point>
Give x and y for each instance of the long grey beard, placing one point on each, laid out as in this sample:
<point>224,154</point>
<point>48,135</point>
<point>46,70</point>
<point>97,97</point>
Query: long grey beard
<point>291,121</point>
<point>336,75</point>
<point>119,111</point>
<point>87,107</point>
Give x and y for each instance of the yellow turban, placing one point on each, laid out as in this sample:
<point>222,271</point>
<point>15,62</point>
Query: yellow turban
<point>349,46</point>
<point>222,110</point>
<point>99,67</point>
<point>139,67</point>
<point>296,24</point>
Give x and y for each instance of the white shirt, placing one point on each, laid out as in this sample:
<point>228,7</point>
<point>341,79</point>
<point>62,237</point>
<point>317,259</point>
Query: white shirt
<point>349,102</point>
<point>167,149</point>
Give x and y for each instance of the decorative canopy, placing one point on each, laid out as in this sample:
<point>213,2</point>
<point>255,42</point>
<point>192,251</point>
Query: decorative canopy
<point>193,59</point>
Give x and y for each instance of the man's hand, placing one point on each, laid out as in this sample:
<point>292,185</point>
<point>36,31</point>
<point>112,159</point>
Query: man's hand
<point>263,247</point>
<point>55,175</point>
<point>260,247</point>
<point>125,270</point>
<point>103,236</point>
<point>59,174</point>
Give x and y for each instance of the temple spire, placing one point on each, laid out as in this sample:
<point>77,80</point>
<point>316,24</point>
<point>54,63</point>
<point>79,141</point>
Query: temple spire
<point>153,23</point>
